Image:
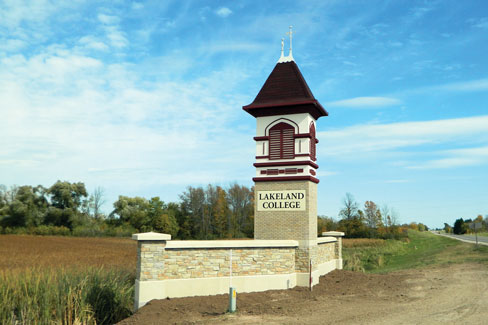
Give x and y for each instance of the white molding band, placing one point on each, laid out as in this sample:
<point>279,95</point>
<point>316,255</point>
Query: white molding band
<point>151,236</point>
<point>323,240</point>
<point>333,234</point>
<point>176,244</point>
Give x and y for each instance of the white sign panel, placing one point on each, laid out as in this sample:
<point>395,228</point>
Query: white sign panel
<point>475,225</point>
<point>291,200</point>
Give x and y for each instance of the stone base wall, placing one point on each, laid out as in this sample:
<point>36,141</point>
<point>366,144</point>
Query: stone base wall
<point>212,262</point>
<point>168,268</point>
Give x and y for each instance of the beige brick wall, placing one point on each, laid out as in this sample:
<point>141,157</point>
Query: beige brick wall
<point>297,225</point>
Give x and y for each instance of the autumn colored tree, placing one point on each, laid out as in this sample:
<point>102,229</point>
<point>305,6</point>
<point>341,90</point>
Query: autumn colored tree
<point>371,214</point>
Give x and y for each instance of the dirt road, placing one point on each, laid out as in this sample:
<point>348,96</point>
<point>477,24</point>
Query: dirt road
<point>449,294</point>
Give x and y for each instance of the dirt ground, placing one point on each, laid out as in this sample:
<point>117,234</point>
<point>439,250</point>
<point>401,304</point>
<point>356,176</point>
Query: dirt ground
<point>449,294</point>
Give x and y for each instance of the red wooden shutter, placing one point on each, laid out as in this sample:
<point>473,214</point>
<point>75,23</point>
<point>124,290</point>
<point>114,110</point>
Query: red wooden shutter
<point>312,142</point>
<point>282,141</point>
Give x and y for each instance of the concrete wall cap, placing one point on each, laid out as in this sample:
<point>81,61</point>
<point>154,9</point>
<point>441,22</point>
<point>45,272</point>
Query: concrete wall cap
<point>323,240</point>
<point>229,243</point>
<point>333,234</point>
<point>151,236</point>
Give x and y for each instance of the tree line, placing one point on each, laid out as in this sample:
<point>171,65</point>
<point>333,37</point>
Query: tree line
<point>464,226</point>
<point>68,209</point>
<point>372,221</point>
<point>211,212</point>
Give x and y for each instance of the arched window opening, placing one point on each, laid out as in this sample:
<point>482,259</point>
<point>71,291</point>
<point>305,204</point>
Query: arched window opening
<point>282,141</point>
<point>312,142</point>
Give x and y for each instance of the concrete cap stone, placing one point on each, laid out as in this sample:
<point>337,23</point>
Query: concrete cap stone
<point>178,244</point>
<point>333,234</point>
<point>151,236</point>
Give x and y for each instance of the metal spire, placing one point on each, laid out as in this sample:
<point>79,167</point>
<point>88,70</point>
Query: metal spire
<point>288,58</point>
<point>290,33</point>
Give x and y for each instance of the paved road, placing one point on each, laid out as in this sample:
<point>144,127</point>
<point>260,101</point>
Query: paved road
<point>469,238</point>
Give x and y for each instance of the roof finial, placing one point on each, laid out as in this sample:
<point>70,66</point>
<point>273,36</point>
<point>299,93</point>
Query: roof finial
<point>288,58</point>
<point>290,55</point>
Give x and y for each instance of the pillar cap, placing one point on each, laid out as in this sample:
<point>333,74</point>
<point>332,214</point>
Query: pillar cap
<point>333,234</point>
<point>151,236</point>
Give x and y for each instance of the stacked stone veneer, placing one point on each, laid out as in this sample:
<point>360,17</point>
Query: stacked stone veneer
<point>168,268</point>
<point>160,264</point>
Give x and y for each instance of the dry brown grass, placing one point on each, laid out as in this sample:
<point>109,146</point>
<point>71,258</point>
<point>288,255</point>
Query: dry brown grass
<point>362,242</point>
<point>21,252</point>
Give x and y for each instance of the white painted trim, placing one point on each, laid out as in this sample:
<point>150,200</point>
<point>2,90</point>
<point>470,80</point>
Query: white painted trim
<point>151,236</point>
<point>175,244</point>
<point>174,288</point>
<point>145,291</point>
<point>323,240</point>
<point>333,234</point>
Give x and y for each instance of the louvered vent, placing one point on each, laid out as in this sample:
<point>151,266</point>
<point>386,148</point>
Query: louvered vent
<point>282,141</point>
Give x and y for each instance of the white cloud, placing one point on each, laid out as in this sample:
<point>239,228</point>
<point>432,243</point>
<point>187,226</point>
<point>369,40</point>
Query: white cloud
<point>108,19</point>
<point>479,22</point>
<point>365,102</point>
<point>374,138</point>
<point>93,43</point>
<point>137,5</point>
<point>223,12</point>
<point>117,38</point>
<point>457,158</point>
<point>472,85</point>
<point>69,116</point>
<point>12,45</point>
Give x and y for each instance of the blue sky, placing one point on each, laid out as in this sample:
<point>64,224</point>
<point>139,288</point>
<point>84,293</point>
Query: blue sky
<point>144,98</point>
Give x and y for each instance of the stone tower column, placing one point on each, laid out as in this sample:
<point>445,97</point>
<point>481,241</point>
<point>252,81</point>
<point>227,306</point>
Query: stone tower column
<point>285,184</point>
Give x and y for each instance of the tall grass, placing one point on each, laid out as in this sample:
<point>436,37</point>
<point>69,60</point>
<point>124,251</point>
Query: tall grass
<point>47,296</point>
<point>420,250</point>
<point>369,255</point>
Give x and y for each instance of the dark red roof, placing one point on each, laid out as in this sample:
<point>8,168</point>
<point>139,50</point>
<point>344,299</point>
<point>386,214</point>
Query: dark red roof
<point>285,92</point>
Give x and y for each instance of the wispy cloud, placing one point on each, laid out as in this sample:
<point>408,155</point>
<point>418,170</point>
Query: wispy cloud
<point>360,139</point>
<point>223,12</point>
<point>479,22</point>
<point>456,158</point>
<point>471,85</point>
<point>365,102</point>
<point>72,115</point>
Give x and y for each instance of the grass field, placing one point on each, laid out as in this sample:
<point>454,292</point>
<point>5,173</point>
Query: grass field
<point>422,249</point>
<point>66,280</point>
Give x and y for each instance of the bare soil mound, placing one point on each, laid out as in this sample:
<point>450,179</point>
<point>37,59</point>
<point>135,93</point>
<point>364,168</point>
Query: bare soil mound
<point>448,294</point>
<point>291,303</point>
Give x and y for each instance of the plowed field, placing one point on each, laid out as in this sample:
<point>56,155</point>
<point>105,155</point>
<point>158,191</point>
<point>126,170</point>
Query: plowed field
<point>25,252</point>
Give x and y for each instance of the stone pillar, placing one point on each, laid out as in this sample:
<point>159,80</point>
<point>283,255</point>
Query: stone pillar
<point>338,246</point>
<point>150,266</point>
<point>283,224</point>
<point>299,225</point>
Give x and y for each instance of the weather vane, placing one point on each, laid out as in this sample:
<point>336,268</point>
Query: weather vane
<point>288,58</point>
<point>290,33</point>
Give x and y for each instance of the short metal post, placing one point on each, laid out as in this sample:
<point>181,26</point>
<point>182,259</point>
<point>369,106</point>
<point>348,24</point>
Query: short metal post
<point>232,299</point>
<point>232,290</point>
